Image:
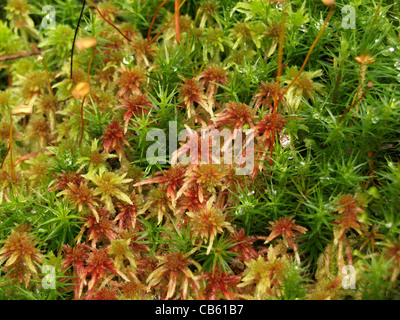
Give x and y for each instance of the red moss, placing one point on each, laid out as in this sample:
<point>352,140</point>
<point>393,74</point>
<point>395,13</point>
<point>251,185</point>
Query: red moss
<point>113,138</point>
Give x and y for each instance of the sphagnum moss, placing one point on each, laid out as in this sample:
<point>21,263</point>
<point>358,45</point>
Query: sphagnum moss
<point>78,192</point>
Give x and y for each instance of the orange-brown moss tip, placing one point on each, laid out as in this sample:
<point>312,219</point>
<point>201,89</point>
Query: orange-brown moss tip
<point>85,43</point>
<point>365,58</point>
<point>20,247</point>
<point>81,89</point>
<point>329,3</point>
